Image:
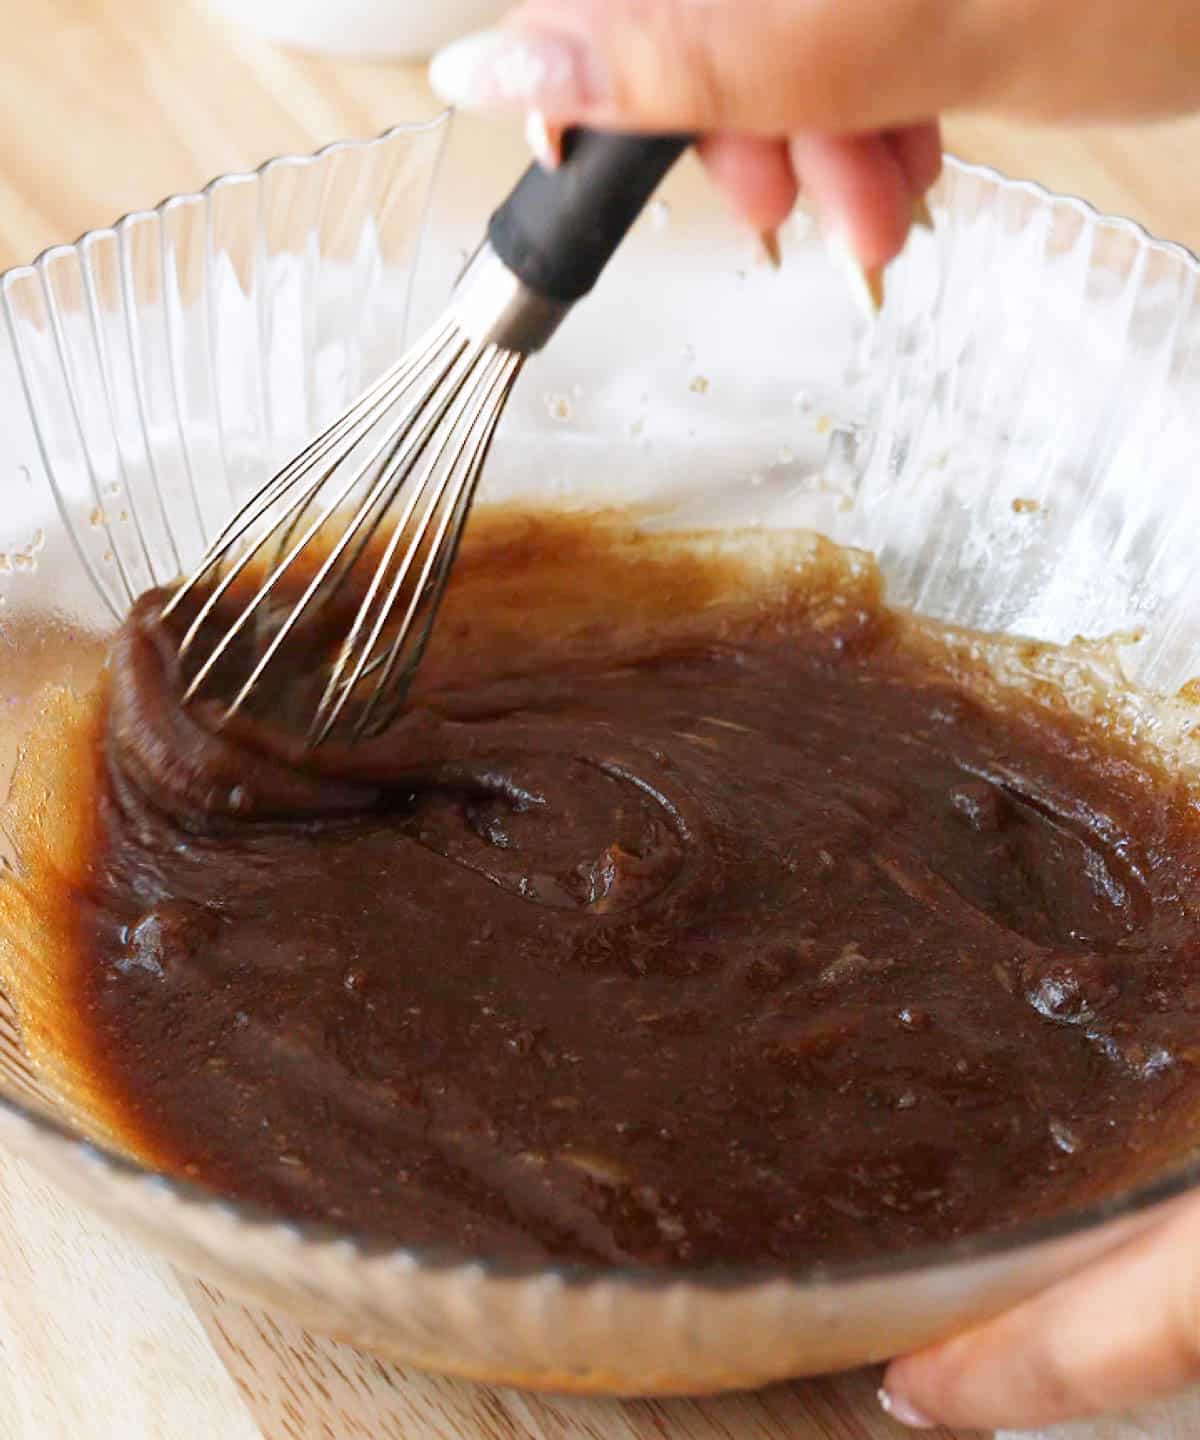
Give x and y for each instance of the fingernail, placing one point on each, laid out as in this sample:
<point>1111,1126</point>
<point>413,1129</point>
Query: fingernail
<point>865,281</point>
<point>535,69</point>
<point>904,1413</point>
<point>544,139</point>
<point>922,216</point>
<point>769,242</point>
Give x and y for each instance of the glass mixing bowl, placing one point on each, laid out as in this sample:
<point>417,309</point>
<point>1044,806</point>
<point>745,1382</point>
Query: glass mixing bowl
<point>1015,439</point>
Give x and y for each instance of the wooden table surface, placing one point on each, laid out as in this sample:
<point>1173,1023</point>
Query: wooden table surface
<point>106,106</point>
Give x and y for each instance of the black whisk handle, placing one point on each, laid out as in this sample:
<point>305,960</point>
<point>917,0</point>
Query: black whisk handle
<point>559,228</point>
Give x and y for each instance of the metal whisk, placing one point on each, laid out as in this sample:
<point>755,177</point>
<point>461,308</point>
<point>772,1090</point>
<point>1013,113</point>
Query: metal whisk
<point>343,557</point>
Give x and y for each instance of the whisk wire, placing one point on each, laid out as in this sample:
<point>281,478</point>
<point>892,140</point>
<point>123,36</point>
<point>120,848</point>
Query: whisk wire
<point>400,451</point>
<point>444,338</point>
<point>361,415</point>
<point>377,579</point>
<point>441,553</point>
<point>275,575</point>
<point>491,375</point>
<point>260,506</point>
<point>389,445</point>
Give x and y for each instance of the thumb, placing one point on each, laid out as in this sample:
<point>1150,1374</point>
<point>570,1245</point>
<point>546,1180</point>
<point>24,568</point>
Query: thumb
<point>768,67</point>
<point>1124,1331</point>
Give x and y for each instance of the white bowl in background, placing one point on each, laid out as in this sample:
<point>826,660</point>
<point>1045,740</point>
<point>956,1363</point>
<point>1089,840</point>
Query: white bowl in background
<point>371,29</point>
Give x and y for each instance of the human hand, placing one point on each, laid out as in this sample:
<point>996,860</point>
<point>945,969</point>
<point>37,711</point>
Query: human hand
<point>1123,1331</point>
<point>853,85</point>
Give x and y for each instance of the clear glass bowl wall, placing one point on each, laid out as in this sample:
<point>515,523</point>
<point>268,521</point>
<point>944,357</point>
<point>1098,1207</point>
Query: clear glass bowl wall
<point>1015,439</point>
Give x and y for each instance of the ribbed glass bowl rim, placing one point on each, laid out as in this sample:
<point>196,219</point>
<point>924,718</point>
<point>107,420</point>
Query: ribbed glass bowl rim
<point>254,1219</point>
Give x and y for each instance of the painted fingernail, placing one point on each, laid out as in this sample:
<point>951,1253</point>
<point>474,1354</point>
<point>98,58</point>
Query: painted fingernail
<point>533,69</point>
<point>544,139</point>
<point>903,1412</point>
<point>865,281</point>
<point>922,216</point>
<point>769,243</point>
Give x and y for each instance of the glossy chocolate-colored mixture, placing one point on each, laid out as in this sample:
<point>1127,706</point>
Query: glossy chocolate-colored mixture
<point>692,915</point>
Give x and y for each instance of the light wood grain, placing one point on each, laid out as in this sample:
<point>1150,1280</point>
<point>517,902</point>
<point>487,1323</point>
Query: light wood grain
<point>107,106</point>
<point>97,1339</point>
<point>287,1378</point>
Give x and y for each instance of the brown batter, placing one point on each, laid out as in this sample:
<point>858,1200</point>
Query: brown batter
<point>700,911</point>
